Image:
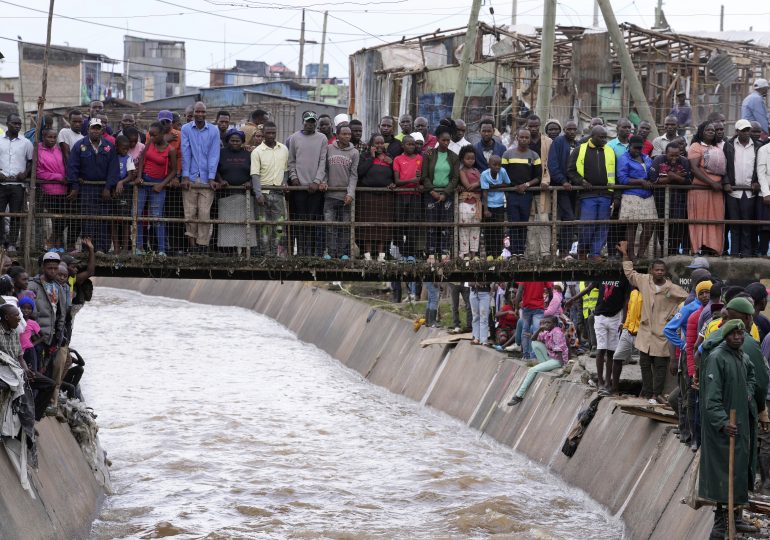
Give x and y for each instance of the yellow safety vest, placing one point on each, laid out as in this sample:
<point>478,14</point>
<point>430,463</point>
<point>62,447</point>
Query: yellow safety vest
<point>589,300</point>
<point>609,161</point>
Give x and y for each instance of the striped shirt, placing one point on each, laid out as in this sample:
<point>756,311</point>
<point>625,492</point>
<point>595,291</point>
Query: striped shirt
<point>522,167</point>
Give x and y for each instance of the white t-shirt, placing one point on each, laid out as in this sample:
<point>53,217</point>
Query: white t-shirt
<point>68,137</point>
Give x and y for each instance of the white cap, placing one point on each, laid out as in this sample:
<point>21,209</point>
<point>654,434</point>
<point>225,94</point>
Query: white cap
<point>742,124</point>
<point>417,136</point>
<point>761,83</point>
<point>51,256</point>
<point>96,122</point>
<point>340,119</point>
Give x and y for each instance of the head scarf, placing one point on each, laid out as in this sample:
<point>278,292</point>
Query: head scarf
<point>703,286</point>
<point>741,305</point>
<point>233,131</point>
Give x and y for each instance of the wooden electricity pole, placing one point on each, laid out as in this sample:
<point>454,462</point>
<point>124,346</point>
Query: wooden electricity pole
<point>545,82</point>
<point>29,225</point>
<point>629,73</point>
<point>320,75</point>
<point>301,42</point>
<point>469,54</point>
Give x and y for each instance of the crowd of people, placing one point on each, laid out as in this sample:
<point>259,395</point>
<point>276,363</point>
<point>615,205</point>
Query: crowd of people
<point>702,352</point>
<point>36,323</point>
<point>406,172</point>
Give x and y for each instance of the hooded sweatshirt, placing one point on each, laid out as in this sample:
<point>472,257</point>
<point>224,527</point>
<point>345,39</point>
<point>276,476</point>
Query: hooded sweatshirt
<point>341,170</point>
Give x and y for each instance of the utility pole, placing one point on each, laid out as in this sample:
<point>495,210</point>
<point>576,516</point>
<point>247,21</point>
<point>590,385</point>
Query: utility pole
<point>722,18</point>
<point>513,13</point>
<point>21,91</point>
<point>596,14</point>
<point>469,54</point>
<point>659,15</point>
<point>320,75</point>
<point>543,105</point>
<point>629,73</point>
<point>29,224</point>
<point>301,42</point>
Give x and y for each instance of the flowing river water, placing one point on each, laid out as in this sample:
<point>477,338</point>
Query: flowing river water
<point>220,424</point>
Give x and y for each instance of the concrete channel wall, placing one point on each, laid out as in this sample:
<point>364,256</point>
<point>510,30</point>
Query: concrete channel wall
<point>634,466</point>
<point>68,496</point>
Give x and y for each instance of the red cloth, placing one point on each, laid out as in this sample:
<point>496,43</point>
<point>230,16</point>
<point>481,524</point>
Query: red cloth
<point>532,296</point>
<point>156,161</point>
<point>691,336</point>
<point>507,321</point>
<point>647,148</point>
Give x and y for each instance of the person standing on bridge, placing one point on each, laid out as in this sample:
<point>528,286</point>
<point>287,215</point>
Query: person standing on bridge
<point>592,167</point>
<point>341,172</point>
<point>558,160</point>
<point>741,184</point>
<point>754,107</point>
<point>94,160</point>
<point>307,168</point>
<point>200,158</point>
<point>709,166</point>
<point>270,167</point>
<point>660,301</point>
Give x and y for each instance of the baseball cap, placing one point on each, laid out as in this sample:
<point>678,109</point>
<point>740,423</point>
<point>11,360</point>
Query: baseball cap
<point>700,274</point>
<point>68,259</point>
<point>417,136</point>
<point>95,122</point>
<point>761,83</point>
<point>309,116</point>
<point>699,262</point>
<point>742,124</point>
<point>165,115</point>
<point>51,256</point>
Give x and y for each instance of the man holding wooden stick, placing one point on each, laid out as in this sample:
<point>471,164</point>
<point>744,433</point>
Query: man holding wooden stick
<point>726,384</point>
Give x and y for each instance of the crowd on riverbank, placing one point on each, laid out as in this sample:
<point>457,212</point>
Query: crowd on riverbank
<point>466,185</point>
<point>713,340</point>
<point>37,312</point>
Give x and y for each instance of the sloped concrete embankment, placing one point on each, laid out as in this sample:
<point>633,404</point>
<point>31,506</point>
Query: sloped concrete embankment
<point>633,466</point>
<point>68,496</point>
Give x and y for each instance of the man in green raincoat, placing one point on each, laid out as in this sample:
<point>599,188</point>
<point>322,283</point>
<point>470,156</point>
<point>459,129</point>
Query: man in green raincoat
<point>742,309</point>
<point>727,383</point>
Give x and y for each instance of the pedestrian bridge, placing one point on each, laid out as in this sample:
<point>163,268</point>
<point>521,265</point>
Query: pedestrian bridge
<point>246,243</point>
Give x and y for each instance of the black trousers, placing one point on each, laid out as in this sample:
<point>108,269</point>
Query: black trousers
<point>565,208</point>
<point>494,234</point>
<point>307,206</point>
<point>43,388</point>
<point>408,208</point>
<point>743,238</point>
<point>13,198</point>
<point>456,291</point>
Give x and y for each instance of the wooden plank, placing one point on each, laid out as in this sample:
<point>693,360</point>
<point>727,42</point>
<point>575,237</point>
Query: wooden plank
<point>651,414</point>
<point>446,339</point>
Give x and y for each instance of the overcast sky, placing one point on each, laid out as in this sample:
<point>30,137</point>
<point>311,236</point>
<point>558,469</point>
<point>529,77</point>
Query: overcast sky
<point>238,29</point>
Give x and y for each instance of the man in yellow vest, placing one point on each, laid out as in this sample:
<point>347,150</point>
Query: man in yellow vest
<point>592,168</point>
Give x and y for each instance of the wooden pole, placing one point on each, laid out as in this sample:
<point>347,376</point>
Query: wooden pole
<point>301,46</point>
<point>22,112</point>
<point>627,65</point>
<point>30,223</point>
<point>320,75</point>
<point>545,81</point>
<point>731,482</point>
<point>469,53</point>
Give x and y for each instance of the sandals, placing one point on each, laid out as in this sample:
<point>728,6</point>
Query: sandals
<point>475,342</point>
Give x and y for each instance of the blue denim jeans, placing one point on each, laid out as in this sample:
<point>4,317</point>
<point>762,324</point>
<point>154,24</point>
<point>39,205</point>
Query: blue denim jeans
<point>91,204</point>
<point>593,237</point>
<point>433,295</point>
<point>157,202</point>
<point>530,318</point>
<point>480,310</point>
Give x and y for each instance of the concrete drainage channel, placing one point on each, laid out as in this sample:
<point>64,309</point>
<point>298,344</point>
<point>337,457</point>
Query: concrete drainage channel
<point>627,463</point>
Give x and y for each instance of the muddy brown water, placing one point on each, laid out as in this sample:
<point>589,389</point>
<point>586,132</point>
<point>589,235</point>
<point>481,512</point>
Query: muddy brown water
<point>220,425</point>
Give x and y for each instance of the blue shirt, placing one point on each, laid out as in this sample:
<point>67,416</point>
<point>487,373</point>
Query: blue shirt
<point>679,323</point>
<point>100,166</point>
<point>200,152</point>
<point>496,148</point>
<point>495,198</point>
<point>629,168</point>
<point>618,147</point>
<point>754,108</point>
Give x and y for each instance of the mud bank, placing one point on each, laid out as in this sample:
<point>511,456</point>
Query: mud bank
<point>635,467</point>
<point>67,494</point>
